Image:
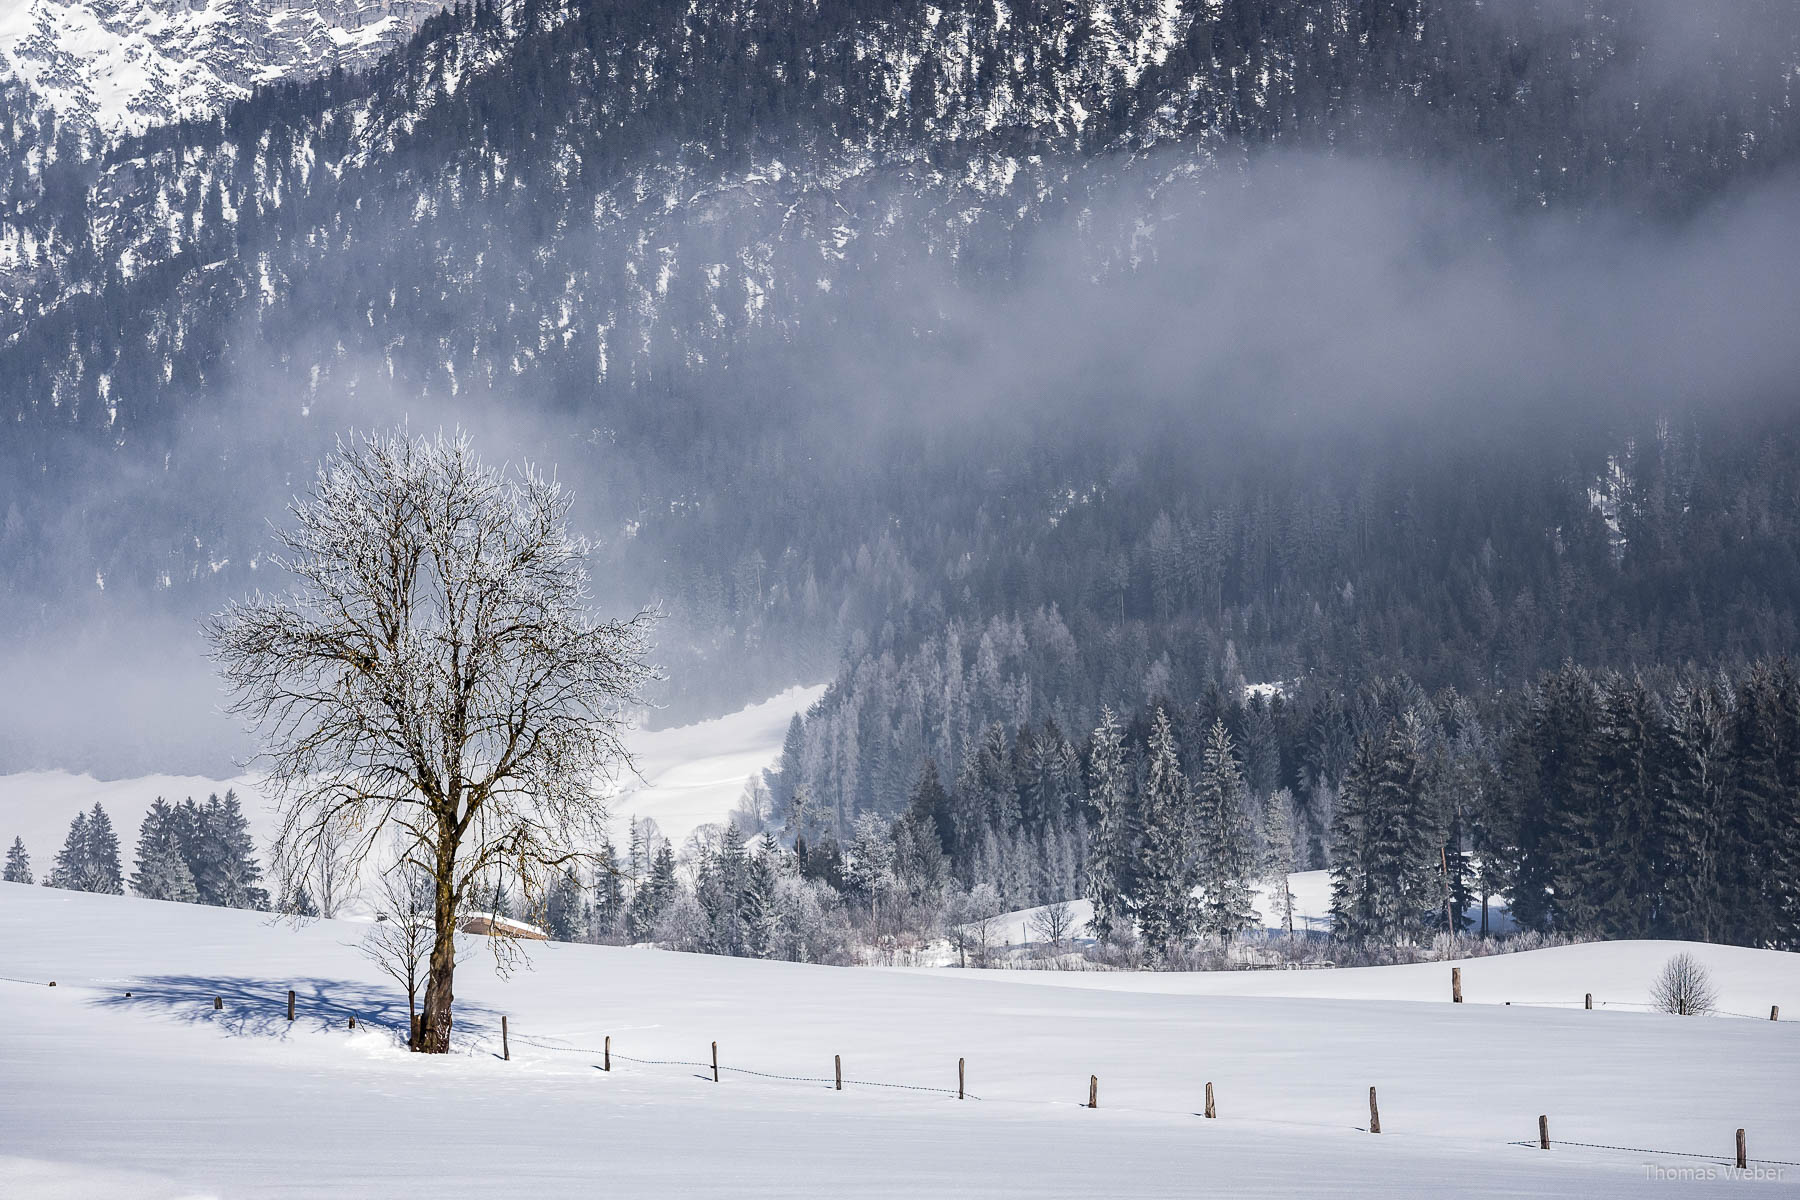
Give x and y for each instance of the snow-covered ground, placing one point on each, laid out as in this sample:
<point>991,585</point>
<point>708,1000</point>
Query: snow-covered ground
<point>690,776</point>
<point>156,1094</point>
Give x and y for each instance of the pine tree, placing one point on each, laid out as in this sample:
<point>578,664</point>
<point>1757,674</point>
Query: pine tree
<point>18,863</point>
<point>1608,816</point>
<point>920,867</point>
<point>1225,861</point>
<point>563,918</point>
<point>1385,883</point>
<point>1697,773</point>
<point>106,875</point>
<point>89,861</point>
<point>1109,873</point>
<point>1165,909</point>
<point>1278,854</point>
<point>607,914</point>
<point>162,873</point>
<point>654,897</point>
<point>785,778</point>
<point>1746,866</point>
<point>1351,885</point>
<point>225,868</point>
<point>758,914</point>
<point>70,870</point>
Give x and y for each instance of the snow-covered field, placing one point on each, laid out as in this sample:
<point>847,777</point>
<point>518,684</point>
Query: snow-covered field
<point>156,1094</point>
<point>690,775</point>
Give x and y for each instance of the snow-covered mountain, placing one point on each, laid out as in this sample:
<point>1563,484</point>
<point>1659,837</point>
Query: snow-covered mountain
<point>128,64</point>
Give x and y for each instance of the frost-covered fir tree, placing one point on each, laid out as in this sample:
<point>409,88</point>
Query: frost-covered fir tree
<point>1385,884</point>
<point>1165,910</point>
<point>564,919</point>
<point>719,887</point>
<point>89,860</point>
<point>162,873</point>
<point>70,868</point>
<point>1278,854</point>
<point>225,868</point>
<point>758,914</point>
<point>1110,857</point>
<point>105,873</point>
<point>18,863</point>
<point>606,915</point>
<point>654,896</point>
<point>1225,855</point>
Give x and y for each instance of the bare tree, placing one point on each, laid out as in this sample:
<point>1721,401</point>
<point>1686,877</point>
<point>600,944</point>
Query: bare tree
<point>328,878</point>
<point>400,940</point>
<point>1052,923</point>
<point>973,917</point>
<point>755,807</point>
<point>1684,988</point>
<point>436,675</point>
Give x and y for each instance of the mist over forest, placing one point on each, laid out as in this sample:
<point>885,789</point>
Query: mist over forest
<point>1296,340</point>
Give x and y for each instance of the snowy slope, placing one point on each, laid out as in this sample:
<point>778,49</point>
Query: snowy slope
<point>694,775</point>
<point>690,776</point>
<point>156,1095</point>
<point>1618,974</point>
<point>125,64</point>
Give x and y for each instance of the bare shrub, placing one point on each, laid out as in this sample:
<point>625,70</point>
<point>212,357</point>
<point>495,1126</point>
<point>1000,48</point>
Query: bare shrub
<point>1684,988</point>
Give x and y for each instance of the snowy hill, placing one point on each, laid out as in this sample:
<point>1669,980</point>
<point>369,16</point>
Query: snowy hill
<point>156,1094</point>
<point>691,775</point>
<point>126,64</point>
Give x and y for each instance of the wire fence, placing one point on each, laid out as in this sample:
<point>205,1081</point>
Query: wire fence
<point>726,1069</point>
<point>1632,1005</point>
<point>1768,1162</point>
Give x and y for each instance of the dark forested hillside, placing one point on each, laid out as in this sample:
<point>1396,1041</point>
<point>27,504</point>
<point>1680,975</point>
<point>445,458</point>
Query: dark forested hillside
<point>1072,354</point>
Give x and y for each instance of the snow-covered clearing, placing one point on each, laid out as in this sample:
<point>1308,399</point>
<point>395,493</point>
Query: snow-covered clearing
<point>691,775</point>
<point>694,775</point>
<point>158,1095</point>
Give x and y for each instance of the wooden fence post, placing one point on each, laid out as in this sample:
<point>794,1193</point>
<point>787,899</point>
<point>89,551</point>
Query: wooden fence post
<point>353,1024</point>
<point>1774,1012</point>
<point>1093,1091</point>
<point>505,1046</point>
<point>1210,1111</point>
<point>1589,1002</point>
<point>1742,1161</point>
<point>218,1003</point>
<point>608,1065</point>
<point>837,1070</point>
<point>290,1004</point>
<point>1543,1132</point>
<point>959,1079</point>
<point>1456,985</point>
<point>715,1062</point>
<point>1374,1114</point>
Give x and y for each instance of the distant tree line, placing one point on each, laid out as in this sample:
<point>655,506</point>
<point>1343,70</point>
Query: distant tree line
<point>195,853</point>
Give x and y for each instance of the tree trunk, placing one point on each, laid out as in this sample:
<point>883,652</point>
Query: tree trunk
<point>434,1023</point>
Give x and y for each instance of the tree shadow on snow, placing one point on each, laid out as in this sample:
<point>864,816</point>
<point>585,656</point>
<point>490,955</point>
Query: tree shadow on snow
<point>259,1007</point>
